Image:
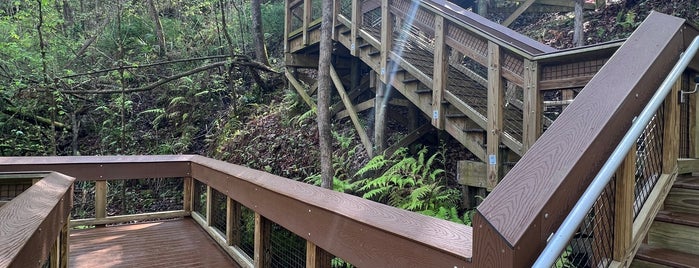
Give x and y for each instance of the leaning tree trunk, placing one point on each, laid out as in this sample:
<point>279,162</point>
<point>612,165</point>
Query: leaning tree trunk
<point>324,87</point>
<point>483,8</point>
<point>158,27</point>
<point>257,33</point>
<point>578,35</point>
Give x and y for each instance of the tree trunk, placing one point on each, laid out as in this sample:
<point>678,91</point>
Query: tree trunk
<point>45,74</point>
<point>231,51</point>
<point>324,87</point>
<point>578,35</point>
<point>257,33</point>
<point>158,27</point>
<point>483,8</point>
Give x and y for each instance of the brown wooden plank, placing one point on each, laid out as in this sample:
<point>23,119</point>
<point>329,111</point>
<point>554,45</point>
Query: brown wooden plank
<point>31,222</point>
<point>666,257</point>
<point>687,182</point>
<point>176,243</point>
<point>263,234</point>
<point>683,218</point>
<point>671,129</point>
<point>538,192</point>
<point>532,110</point>
<point>100,199</point>
<point>495,115</point>
<point>316,257</point>
<point>623,207</point>
<point>353,113</point>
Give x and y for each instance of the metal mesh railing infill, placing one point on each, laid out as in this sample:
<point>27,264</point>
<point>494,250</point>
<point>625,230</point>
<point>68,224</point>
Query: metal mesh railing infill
<point>288,249</point>
<point>199,198</point>
<point>649,155</point>
<point>218,211</point>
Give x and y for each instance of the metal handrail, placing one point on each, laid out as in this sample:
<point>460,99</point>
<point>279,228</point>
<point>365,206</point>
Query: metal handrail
<point>565,232</point>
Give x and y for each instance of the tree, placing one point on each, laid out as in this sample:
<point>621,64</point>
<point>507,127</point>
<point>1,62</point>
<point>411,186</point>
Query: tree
<point>158,27</point>
<point>257,33</point>
<point>578,35</point>
<point>324,87</point>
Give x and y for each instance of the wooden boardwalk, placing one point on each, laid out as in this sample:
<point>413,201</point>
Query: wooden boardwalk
<point>175,243</point>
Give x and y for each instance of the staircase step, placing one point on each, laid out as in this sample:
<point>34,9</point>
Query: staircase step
<point>663,256</point>
<point>683,197</point>
<point>346,31</point>
<point>675,230</point>
<point>366,44</point>
<point>374,52</point>
<point>688,219</point>
<point>410,80</point>
<point>456,115</point>
<point>423,91</point>
<point>687,182</point>
<point>473,130</point>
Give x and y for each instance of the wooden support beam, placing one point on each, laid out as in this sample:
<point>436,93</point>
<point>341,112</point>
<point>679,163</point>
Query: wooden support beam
<point>356,23</point>
<point>317,257</point>
<point>441,69</point>
<point>187,194</point>
<point>336,11</point>
<point>531,128</point>
<point>353,113</point>
<point>307,15</point>
<point>209,205</point>
<point>100,199</point>
<point>362,106</point>
<point>233,229</point>
<point>408,139</point>
<point>300,89</point>
<point>522,7</point>
<point>287,25</point>
<point>386,40</point>
<point>671,129</point>
<point>380,106</point>
<point>495,114</point>
<point>623,206</point>
<point>263,234</point>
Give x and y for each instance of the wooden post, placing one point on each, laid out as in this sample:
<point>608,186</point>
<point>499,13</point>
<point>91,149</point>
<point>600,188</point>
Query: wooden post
<point>233,214</point>
<point>263,232</point>
<point>100,199</point>
<point>307,16</point>
<point>441,69</point>
<point>209,204</point>
<point>623,206</point>
<point>566,95</point>
<point>356,23</point>
<point>386,40</point>
<point>532,106</point>
<point>335,21</point>
<point>495,107</point>
<point>187,194</point>
<point>380,118</point>
<point>671,129</point>
<point>287,25</point>
<point>317,257</point>
<point>693,122</point>
<point>65,243</point>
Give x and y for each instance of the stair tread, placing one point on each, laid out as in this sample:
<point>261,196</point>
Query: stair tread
<point>687,182</point>
<point>666,256</point>
<point>683,218</point>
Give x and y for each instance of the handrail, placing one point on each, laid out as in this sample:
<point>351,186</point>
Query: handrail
<point>587,200</point>
<point>360,231</point>
<point>34,222</point>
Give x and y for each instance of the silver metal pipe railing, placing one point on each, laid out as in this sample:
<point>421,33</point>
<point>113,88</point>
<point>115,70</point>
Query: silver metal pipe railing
<point>565,232</point>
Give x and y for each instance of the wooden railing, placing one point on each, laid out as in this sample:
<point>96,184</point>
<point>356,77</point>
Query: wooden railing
<point>34,225</point>
<point>527,207</point>
<point>514,70</point>
<point>361,232</point>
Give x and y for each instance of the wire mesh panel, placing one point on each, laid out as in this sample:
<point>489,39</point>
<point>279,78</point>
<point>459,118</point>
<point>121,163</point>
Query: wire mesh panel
<point>83,200</point>
<point>592,245</point>
<point>316,9</point>
<point>247,231</point>
<point>649,155</point>
<point>10,190</point>
<point>199,198</point>
<point>136,196</point>
<point>371,21</point>
<point>218,210</point>
<point>572,69</point>
<point>513,113</point>
<point>296,13</point>
<point>288,249</point>
<point>346,9</point>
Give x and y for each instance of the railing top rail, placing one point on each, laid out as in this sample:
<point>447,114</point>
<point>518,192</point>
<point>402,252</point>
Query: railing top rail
<point>540,190</point>
<point>112,159</point>
<point>30,223</point>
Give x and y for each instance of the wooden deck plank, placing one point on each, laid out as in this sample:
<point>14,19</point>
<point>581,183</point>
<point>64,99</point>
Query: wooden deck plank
<point>175,243</point>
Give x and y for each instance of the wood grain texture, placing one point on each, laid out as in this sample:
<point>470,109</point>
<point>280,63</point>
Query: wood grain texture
<point>623,206</point>
<point>177,243</point>
<point>651,256</point>
<point>682,200</point>
<point>496,97</point>
<point>31,222</point>
<point>532,110</point>
<point>365,233</point>
<point>540,190</point>
<point>674,236</point>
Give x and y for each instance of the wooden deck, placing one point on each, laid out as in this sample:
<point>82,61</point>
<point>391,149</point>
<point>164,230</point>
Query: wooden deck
<point>174,243</point>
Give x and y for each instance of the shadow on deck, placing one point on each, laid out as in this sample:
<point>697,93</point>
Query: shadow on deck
<point>173,243</point>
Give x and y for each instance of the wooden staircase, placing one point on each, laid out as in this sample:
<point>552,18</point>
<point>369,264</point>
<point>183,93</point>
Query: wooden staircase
<point>673,240</point>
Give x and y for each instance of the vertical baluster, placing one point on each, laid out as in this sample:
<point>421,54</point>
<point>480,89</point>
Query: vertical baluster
<point>623,206</point>
<point>495,113</point>
<point>307,16</point>
<point>209,204</point>
<point>441,69</point>
<point>233,215</point>
<point>187,194</point>
<point>671,129</point>
<point>316,257</point>
<point>100,199</point>
<point>356,23</point>
<point>263,233</point>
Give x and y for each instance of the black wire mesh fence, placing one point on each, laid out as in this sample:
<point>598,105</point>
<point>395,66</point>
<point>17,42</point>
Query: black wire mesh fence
<point>218,210</point>
<point>199,198</point>
<point>288,250</point>
<point>346,9</point>
<point>649,155</point>
<point>592,245</point>
<point>134,196</point>
<point>83,200</point>
<point>247,231</point>
<point>11,189</point>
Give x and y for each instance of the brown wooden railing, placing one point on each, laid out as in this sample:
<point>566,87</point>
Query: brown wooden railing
<point>361,232</point>
<point>514,223</point>
<point>34,225</point>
